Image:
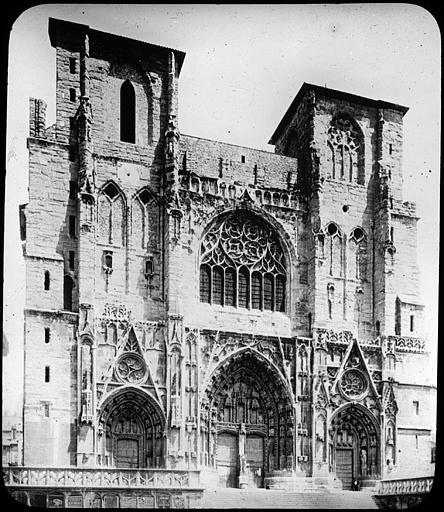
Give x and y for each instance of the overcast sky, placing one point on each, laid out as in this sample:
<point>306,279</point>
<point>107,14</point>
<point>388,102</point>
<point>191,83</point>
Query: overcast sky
<point>244,64</point>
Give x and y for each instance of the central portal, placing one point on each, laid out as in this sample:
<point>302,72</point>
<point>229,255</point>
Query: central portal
<point>252,423</point>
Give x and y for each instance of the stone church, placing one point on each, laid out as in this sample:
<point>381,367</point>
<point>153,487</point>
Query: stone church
<point>199,306</point>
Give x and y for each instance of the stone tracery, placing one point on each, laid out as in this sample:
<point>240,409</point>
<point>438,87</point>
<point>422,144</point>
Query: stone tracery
<point>242,264</point>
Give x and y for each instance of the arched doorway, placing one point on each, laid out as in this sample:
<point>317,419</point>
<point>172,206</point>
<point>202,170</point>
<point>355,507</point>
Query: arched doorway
<point>131,430</point>
<point>250,430</point>
<point>354,445</point>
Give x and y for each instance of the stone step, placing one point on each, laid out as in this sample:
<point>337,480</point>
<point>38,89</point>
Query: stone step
<point>266,498</point>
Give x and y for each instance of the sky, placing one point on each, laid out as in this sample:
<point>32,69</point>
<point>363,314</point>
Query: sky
<point>244,65</point>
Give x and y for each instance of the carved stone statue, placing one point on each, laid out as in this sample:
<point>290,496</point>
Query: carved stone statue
<point>363,458</point>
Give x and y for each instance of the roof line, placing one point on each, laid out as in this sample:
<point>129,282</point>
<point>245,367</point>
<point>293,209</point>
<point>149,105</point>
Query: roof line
<point>53,22</point>
<point>331,93</point>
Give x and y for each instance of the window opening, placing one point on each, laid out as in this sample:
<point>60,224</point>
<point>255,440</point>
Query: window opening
<point>72,226</point>
<point>73,190</point>
<point>72,94</point>
<point>72,65</point>
<point>127,113</point>
<point>47,374</point>
<point>412,323</point>
<point>245,262</point>
<point>47,334</point>
<point>47,280</point>
<point>68,285</point>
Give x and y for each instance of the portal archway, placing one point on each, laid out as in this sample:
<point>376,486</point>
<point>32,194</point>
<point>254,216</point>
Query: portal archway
<point>354,445</point>
<point>249,421</point>
<point>131,430</point>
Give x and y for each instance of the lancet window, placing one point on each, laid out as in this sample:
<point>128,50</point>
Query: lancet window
<point>140,219</point>
<point>357,262</point>
<point>346,146</point>
<point>243,265</point>
<point>111,216</point>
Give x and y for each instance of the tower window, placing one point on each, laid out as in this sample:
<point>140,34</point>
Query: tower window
<point>72,123</point>
<point>72,94</point>
<point>392,234</point>
<point>416,407</point>
<point>378,328</point>
<point>47,280</point>
<point>149,266</point>
<point>390,149</point>
<point>72,226</point>
<point>72,153</point>
<point>127,113</point>
<point>412,323</point>
<point>71,257</point>
<point>72,65</point>
<point>73,190</point>
<point>47,334</point>
<point>47,374</point>
<point>243,159</point>
<point>108,261</point>
<point>68,285</point>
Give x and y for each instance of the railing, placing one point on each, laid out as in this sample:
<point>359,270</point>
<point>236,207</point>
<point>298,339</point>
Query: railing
<point>408,344</point>
<point>100,477</point>
<point>406,486</point>
<point>228,190</point>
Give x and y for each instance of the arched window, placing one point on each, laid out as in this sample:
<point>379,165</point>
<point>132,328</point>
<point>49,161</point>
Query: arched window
<point>334,249</point>
<point>140,220</point>
<point>357,249</point>
<point>127,113</point>
<point>111,215</point>
<point>68,285</point>
<point>347,150</point>
<point>245,261</point>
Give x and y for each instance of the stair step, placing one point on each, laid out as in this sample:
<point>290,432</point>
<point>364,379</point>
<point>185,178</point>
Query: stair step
<point>261,498</point>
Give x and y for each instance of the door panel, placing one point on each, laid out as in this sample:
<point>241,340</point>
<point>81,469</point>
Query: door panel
<point>227,455</point>
<point>254,451</point>
<point>344,467</point>
<point>127,453</point>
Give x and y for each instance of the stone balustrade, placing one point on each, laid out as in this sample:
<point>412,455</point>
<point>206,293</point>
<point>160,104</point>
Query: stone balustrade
<point>100,477</point>
<point>406,486</point>
<point>227,190</point>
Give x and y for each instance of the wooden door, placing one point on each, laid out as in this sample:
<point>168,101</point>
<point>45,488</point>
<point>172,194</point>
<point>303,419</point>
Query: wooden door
<point>344,467</point>
<point>227,458</point>
<point>127,453</point>
<point>254,451</point>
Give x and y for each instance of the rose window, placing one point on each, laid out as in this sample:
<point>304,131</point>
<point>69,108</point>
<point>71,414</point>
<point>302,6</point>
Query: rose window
<point>131,368</point>
<point>242,265</point>
<point>353,384</point>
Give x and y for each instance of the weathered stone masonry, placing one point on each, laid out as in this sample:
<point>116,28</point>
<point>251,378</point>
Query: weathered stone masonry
<point>214,306</point>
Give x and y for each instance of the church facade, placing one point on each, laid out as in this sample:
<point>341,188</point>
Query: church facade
<point>195,305</point>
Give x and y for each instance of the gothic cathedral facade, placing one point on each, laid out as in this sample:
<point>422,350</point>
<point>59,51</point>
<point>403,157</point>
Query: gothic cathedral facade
<point>197,305</point>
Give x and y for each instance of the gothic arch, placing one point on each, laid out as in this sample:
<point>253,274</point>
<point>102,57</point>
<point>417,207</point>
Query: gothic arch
<point>140,217</point>
<point>131,429</point>
<point>248,404</point>
<point>127,112</point>
<point>354,444</point>
<point>272,289</point>
<point>345,140</point>
<point>111,214</point>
